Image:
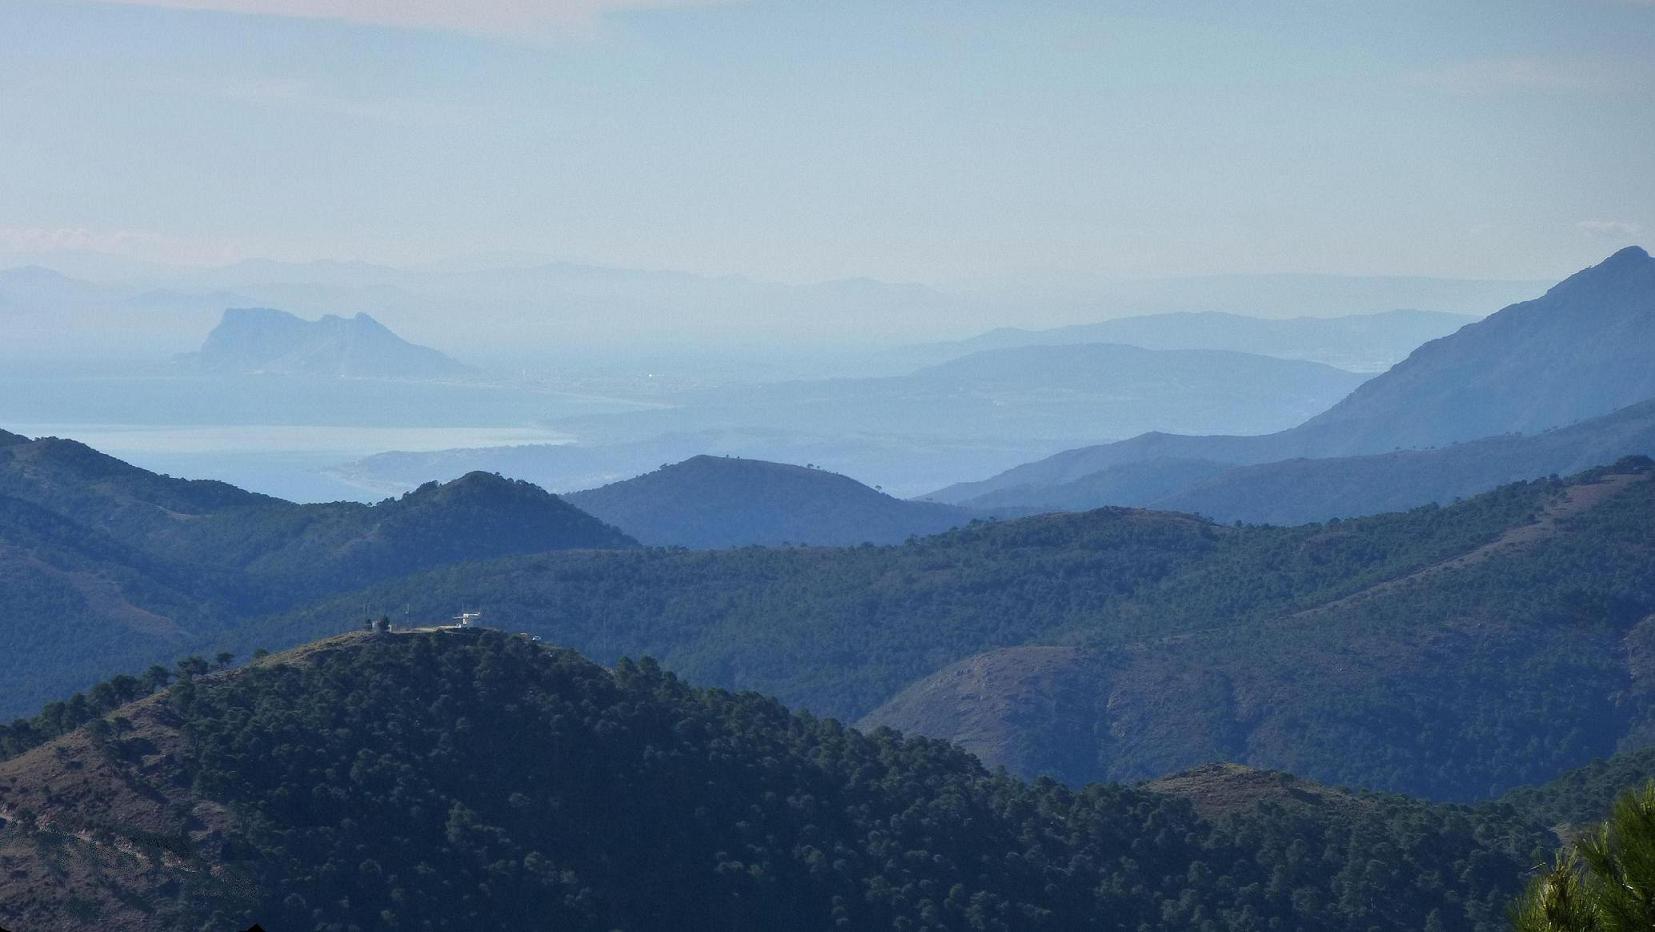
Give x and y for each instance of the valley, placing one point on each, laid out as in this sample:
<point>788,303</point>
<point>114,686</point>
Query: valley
<point>1532,582</point>
<point>757,466</point>
<point>1465,677</point>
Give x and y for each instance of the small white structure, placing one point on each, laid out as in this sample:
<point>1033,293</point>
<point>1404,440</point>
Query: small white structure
<point>467,619</point>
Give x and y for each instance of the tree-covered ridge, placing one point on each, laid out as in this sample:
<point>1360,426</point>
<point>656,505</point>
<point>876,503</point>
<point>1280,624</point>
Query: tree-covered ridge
<point>834,629</point>
<point>105,566</point>
<point>77,603</point>
<point>61,717</point>
<point>1334,650</point>
<point>290,552</point>
<point>1506,665</point>
<point>1583,796</point>
<point>838,630</point>
<point>477,780</point>
<point>1349,628</point>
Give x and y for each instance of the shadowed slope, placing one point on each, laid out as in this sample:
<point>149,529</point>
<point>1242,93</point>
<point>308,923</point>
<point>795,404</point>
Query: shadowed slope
<point>104,565</point>
<point>709,501</point>
<point>1505,663</point>
<point>475,780</point>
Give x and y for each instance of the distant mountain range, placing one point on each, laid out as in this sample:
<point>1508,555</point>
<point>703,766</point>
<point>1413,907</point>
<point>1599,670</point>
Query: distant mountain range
<point>527,306</point>
<point>1244,700</point>
<point>1030,393</point>
<point>984,410</point>
<point>1359,343</point>
<point>1587,347</point>
<point>1303,490</point>
<point>261,340</point>
<point>1298,491</point>
<point>1318,648</point>
<point>713,501</point>
<point>689,348</point>
<point>899,430</point>
<point>901,465</point>
<point>1584,349</point>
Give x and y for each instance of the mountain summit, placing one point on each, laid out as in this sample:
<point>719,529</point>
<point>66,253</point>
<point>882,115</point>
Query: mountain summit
<point>1631,254</point>
<point>715,501</point>
<point>1582,350</point>
<point>265,340</point>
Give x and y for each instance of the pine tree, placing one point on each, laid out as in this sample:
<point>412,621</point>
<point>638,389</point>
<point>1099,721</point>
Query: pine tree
<point>1605,882</point>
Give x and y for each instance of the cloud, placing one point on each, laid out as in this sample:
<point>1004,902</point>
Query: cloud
<point>1610,229</point>
<point>523,19</point>
<point>146,245</point>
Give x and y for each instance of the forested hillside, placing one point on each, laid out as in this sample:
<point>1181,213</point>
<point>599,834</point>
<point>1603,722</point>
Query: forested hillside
<point>1507,664</point>
<point>104,566</point>
<point>1422,652</point>
<point>902,466</point>
<point>476,780</point>
<point>317,547</point>
<point>1331,650</point>
<point>71,595</point>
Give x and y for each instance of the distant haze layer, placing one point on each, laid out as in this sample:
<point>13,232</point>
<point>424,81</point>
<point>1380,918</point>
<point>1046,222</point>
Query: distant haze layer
<point>564,314</point>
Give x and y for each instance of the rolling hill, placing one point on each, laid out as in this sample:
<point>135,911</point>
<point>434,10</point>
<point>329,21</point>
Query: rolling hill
<point>105,564</point>
<point>1321,649</point>
<point>1503,621</point>
<point>1429,681</point>
<point>331,545</point>
<point>709,501</point>
<point>1580,351</point>
<point>468,779</point>
<point>70,592</point>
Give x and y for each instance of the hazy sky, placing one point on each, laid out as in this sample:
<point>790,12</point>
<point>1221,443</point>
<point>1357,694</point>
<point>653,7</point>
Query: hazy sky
<point>923,140</point>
